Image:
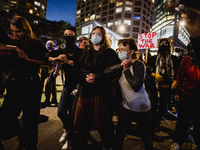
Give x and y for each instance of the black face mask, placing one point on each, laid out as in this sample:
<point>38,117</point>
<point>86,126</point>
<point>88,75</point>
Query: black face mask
<point>163,49</point>
<point>70,44</point>
<point>70,39</point>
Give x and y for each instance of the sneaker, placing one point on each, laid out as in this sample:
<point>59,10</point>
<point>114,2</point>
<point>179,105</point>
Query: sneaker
<point>64,136</point>
<point>66,146</point>
<point>175,146</point>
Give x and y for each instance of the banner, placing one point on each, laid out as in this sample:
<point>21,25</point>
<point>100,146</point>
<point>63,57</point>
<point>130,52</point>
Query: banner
<point>147,40</point>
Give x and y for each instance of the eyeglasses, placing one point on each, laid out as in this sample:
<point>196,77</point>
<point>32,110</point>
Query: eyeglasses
<point>98,34</point>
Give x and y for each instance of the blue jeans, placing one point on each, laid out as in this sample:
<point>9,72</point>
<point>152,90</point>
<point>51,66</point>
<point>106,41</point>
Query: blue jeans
<point>67,103</point>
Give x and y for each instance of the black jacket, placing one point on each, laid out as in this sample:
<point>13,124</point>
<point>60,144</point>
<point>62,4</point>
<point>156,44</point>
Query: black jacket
<point>96,62</point>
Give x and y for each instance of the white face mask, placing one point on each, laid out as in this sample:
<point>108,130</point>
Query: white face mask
<point>95,39</point>
<point>122,55</point>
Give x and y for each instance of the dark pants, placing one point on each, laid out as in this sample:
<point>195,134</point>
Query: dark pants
<point>88,110</point>
<point>165,98</point>
<point>188,108</point>
<point>50,88</point>
<point>22,95</point>
<point>143,120</point>
<point>67,103</point>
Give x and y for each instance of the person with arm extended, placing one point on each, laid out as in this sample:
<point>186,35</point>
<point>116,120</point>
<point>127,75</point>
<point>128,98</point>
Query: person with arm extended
<point>135,101</point>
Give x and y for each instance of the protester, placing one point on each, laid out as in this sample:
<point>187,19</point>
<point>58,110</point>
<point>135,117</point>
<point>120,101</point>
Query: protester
<point>83,42</point>
<point>23,91</point>
<point>135,101</point>
<point>95,94</point>
<point>164,68</point>
<point>69,96</point>
<point>190,11</point>
<point>53,70</point>
<point>23,84</point>
<point>188,85</point>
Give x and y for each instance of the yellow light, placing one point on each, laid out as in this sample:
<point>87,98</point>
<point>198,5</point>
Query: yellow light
<point>30,11</point>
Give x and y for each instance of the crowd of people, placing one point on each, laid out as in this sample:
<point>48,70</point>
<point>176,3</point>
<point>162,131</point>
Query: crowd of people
<point>93,72</point>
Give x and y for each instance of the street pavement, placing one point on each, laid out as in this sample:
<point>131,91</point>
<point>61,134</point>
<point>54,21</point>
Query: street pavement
<point>50,130</point>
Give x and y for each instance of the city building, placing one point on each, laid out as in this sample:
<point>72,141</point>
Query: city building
<point>168,23</point>
<point>127,18</point>
<point>36,8</point>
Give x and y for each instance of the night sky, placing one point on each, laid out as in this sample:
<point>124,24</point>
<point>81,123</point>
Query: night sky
<point>61,10</point>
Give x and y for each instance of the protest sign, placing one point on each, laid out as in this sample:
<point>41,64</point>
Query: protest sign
<point>147,40</point>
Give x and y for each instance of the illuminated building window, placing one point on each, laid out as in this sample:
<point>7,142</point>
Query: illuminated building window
<point>119,3</point>
<point>35,8</point>
<point>118,22</point>
<point>78,12</point>
<point>37,3</point>
<point>136,17</point>
<point>110,24</point>
<point>99,4</point>
<point>118,10</point>
<point>112,1</point>
<point>37,14</point>
<point>30,11</point>
<point>127,22</point>
<point>78,16</point>
<point>128,9</point>
<point>43,7</point>
<point>98,16</point>
<point>87,19</point>
<point>92,17</point>
<point>14,2</point>
<point>129,3</point>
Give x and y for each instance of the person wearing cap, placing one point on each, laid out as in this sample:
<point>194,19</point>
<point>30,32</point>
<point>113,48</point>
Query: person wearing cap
<point>68,98</point>
<point>164,68</point>
<point>190,11</point>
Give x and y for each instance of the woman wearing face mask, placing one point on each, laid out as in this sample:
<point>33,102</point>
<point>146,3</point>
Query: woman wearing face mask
<point>135,101</point>
<point>95,94</point>
<point>71,73</point>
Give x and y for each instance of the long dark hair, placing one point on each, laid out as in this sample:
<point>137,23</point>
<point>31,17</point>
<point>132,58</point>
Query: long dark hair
<point>105,43</point>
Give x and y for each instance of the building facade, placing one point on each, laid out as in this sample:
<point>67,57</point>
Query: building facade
<point>128,18</point>
<point>37,8</point>
<point>168,24</point>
